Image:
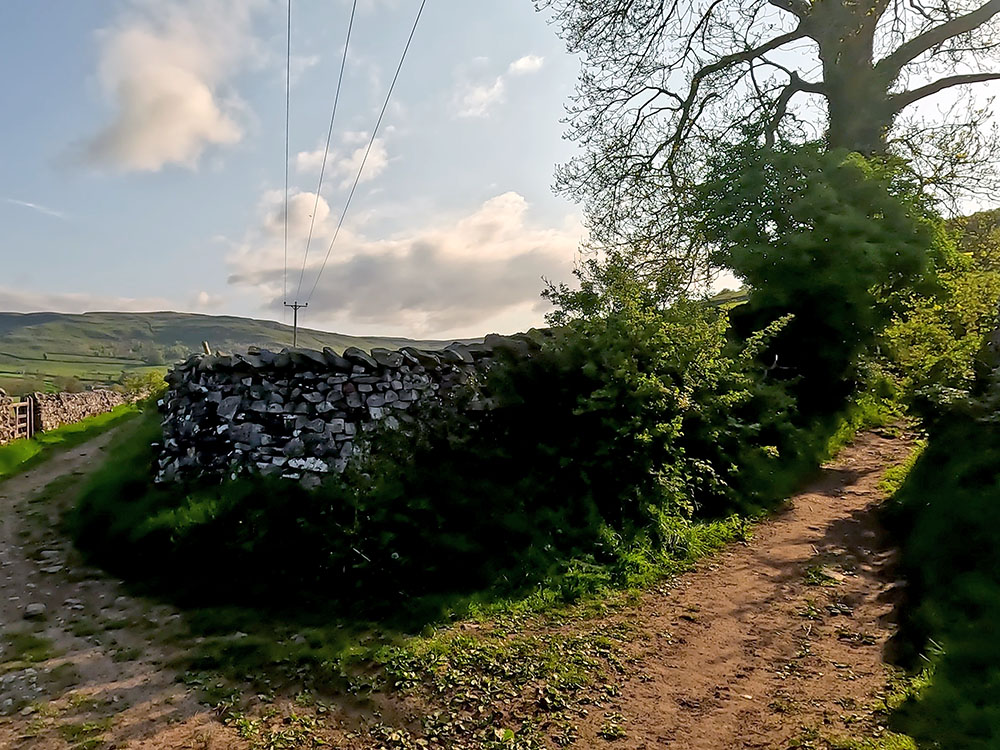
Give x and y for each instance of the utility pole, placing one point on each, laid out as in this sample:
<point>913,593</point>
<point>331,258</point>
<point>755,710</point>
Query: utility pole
<point>295,320</point>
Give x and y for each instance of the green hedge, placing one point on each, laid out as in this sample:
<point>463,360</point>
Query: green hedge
<point>616,452</point>
<point>947,515</point>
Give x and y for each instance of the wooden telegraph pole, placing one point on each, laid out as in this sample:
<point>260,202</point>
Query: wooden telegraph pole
<point>295,320</point>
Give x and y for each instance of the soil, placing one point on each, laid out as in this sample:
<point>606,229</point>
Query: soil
<point>107,681</point>
<point>776,643</point>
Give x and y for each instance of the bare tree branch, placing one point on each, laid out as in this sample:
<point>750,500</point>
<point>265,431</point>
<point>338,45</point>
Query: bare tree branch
<point>798,8</point>
<point>720,65</point>
<point>795,86</point>
<point>891,65</point>
<point>906,98</point>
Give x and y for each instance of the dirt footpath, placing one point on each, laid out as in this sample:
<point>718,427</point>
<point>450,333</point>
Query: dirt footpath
<point>773,644</point>
<point>779,643</point>
<point>92,670</point>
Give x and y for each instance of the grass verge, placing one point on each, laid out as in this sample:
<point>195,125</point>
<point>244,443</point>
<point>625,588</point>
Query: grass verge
<point>947,516</point>
<point>867,411</point>
<point>20,455</point>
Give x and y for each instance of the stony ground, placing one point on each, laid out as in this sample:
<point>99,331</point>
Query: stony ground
<point>91,671</point>
<point>773,644</point>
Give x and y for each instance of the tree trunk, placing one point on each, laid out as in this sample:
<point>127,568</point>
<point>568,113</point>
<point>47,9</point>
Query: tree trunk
<point>857,96</point>
<point>858,120</point>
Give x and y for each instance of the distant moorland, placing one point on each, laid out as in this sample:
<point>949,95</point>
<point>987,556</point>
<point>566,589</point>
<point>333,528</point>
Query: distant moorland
<point>56,351</point>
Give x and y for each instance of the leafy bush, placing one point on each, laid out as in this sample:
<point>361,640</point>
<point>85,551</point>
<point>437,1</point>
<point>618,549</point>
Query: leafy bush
<point>947,514</point>
<point>824,236</point>
<point>978,236</point>
<point>143,384</point>
<point>606,450</point>
<point>930,350</point>
<point>67,384</point>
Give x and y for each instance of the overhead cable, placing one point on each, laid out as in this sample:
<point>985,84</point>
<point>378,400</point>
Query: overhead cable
<point>368,151</point>
<point>326,150</point>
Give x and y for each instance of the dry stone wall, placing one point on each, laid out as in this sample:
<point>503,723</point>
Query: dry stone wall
<point>6,418</point>
<point>54,410</point>
<point>298,413</point>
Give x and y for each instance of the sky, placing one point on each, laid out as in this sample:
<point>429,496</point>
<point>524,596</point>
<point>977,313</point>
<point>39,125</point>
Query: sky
<point>142,162</point>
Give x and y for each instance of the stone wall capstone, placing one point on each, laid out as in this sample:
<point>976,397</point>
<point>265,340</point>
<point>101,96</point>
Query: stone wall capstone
<point>297,413</point>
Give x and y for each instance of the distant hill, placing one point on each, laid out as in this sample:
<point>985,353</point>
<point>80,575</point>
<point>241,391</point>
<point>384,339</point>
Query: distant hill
<point>45,349</point>
<point>729,297</point>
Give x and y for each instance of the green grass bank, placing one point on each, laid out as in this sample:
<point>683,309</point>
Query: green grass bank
<point>946,514</point>
<point>20,455</point>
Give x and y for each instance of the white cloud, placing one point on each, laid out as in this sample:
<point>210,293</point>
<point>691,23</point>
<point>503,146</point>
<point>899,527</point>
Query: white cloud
<point>447,278</point>
<point>20,300</point>
<point>309,161</point>
<point>478,98</point>
<point>344,164</point>
<point>348,166</point>
<point>526,65</point>
<point>299,64</point>
<point>206,301</point>
<point>300,215</point>
<point>165,66</point>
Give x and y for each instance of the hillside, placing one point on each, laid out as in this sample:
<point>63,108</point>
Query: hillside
<point>46,349</point>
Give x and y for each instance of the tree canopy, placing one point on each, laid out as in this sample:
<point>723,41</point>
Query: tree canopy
<point>665,83</point>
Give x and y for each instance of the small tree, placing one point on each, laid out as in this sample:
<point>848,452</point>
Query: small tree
<point>978,236</point>
<point>67,384</point>
<point>154,357</point>
<point>826,236</point>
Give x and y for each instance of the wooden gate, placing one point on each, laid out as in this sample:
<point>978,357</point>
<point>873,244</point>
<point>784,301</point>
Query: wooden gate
<point>24,419</point>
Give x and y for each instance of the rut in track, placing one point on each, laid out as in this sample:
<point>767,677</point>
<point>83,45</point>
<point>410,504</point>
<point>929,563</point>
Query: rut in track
<point>773,644</point>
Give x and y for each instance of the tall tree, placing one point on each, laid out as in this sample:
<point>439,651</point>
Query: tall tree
<point>664,82</point>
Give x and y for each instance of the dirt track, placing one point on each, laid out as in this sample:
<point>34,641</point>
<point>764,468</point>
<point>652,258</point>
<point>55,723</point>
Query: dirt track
<point>780,641</point>
<point>773,644</point>
<point>106,682</point>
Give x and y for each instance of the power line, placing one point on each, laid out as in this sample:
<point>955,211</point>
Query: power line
<point>288,99</point>
<point>326,150</point>
<point>295,306</point>
<point>368,151</point>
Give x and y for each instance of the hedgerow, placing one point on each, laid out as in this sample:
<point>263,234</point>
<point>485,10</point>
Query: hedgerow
<point>604,450</point>
<point>646,413</point>
<point>947,518</point>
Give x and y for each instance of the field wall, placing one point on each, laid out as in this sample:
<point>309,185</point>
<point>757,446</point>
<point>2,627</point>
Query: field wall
<point>52,410</point>
<point>6,418</point>
<point>299,414</point>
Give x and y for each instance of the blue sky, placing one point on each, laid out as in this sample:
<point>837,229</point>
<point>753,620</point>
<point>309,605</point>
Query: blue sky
<point>142,145</point>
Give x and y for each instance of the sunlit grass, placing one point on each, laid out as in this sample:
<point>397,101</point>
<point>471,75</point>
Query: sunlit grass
<point>19,455</point>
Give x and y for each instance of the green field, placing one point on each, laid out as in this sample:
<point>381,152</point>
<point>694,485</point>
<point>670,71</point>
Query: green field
<point>52,351</point>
